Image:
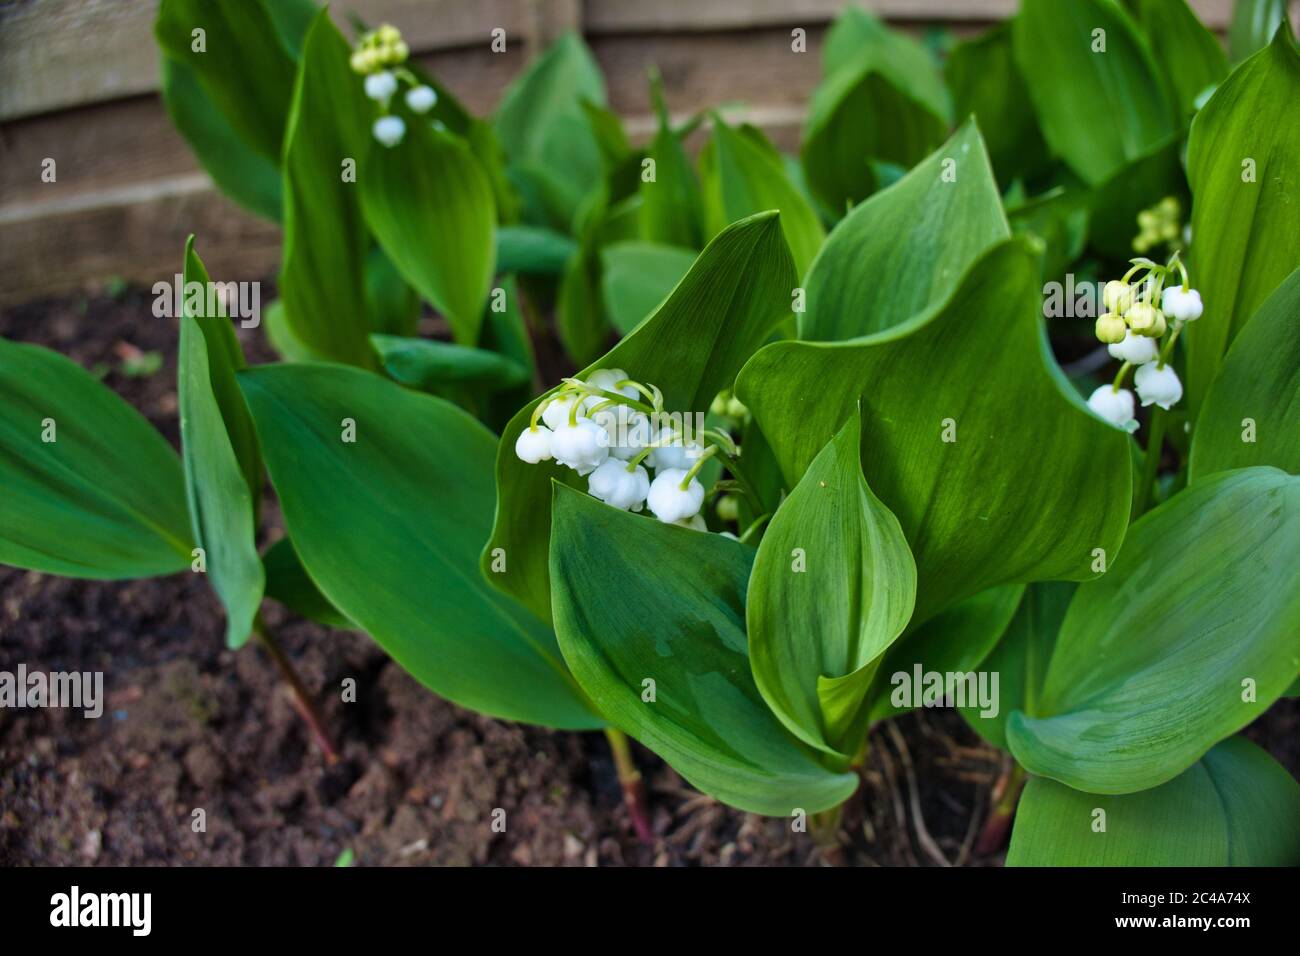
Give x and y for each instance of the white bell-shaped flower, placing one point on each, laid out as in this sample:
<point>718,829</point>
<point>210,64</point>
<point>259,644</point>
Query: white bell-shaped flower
<point>672,451</point>
<point>1137,349</point>
<point>1158,386</point>
<point>421,98</point>
<point>628,429</point>
<point>380,86</point>
<point>607,379</point>
<point>669,501</point>
<point>534,444</point>
<point>581,447</point>
<point>1178,304</point>
<point>556,414</point>
<point>613,484</point>
<point>389,130</point>
<point>1115,407</point>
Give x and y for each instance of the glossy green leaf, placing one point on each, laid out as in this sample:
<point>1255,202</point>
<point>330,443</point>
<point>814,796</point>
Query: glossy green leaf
<point>637,276</point>
<point>1189,55</point>
<point>1138,185</point>
<point>431,208</point>
<point>881,99</point>
<point>1236,806</point>
<point>544,130</point>
<point>1257,394</point>
<point>976,370</point>
<point>1099,97</point>
<point>579,310</point>
<point>1188,637</point>
<point>984,82</point>
<point>955,641</point>
<point>288,582</point>
<point>833,586</point>
<point>322,279</point>
<point>426,363</point>
<point>91,490</point>
<point>741,175</point>
<point>223,465</point>
<point>905,249</point>
<point>1253,24</point>
<point>240,61</point>
<point>637,600</point>
<point>393,306</point>
<point>1243,163</point>
<point>735,294</point>
<point>533,250</point>
<point>671,207</point>
<point>240,171</point>
<point>389,526</point>
<point>1020,660</point>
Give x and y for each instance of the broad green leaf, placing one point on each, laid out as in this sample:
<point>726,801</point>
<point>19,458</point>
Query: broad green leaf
<point>1059,219</point>
<point>240,61</point>
<point>426,363</point>
<point>833,586</point>
<point>881,99</point>
<point>984,82</point>
<point>1094,84</point>
<point>956,641</point>
<point>393,306</point>
<point>533,250</point>
<point>544,130</point>
<point>240,171</point>
<point>637,276</point>
<point>287,581</point>
<point>389,526</point>
<point>735,294</point>
<point>1189,636</point>
<point>995,468</point>
<point>1254,22</point>
<point>1257,394</point>
<point>91,490</point>
<point>431,208</point>
<point>1138,185</point>
<point>1188,54</point>
<point>1020,660</point>
<point>505,332</point>
<point>1243,163</point>
<point>637,600</point>
<point>322,279</point>
<point>742,174</point>
<point>223,465</point>
<point>1236,806</point>
<point>579,311</point>
<point>282,337</point>
<point>671,208</point>
<point>906,248</point>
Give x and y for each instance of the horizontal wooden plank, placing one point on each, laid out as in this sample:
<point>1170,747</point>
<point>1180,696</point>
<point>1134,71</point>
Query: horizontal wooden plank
<point>56,54</point>
<point>662,16</point>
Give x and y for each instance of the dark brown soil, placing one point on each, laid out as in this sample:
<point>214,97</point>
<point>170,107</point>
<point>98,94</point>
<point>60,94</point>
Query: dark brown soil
<point>190,725</point>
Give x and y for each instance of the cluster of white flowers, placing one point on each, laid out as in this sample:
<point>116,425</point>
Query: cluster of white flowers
<point>1132,328</point>
<point>379,57</point>
<point>601,429</point>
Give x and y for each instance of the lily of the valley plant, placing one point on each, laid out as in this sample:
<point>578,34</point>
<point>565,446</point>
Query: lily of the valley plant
<point>812,460</point>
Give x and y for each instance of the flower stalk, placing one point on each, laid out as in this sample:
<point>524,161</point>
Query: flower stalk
<point>300,696</point>
<point>630,779</point>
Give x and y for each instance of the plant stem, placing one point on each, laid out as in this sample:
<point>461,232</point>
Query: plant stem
<point>1150,462</point>
<point>1006,794</point>
<point>633,790</point>
<point>301,698</point>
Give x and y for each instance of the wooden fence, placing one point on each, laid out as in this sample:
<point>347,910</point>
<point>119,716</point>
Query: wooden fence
<point>79,84</point>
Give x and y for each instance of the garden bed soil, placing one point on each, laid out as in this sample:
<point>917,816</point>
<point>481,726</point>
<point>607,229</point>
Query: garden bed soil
<point>190,725</point>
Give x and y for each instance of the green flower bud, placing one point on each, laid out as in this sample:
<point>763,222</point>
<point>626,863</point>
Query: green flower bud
<point>1117,296</point>
<point>1111,328</point>
<point>719,405</point>
<point>388,34</point>
<point>1145,319</point>
<point>728,508</point>
<point>736,408</point>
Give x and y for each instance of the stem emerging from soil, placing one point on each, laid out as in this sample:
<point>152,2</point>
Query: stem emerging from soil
<point>301,698</point>
<point>1006,794</point>
<point>633,790</point>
